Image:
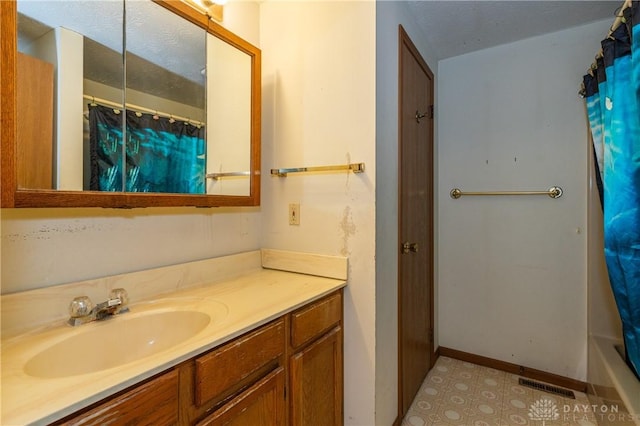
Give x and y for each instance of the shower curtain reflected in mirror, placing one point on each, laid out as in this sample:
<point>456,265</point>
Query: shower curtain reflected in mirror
<point>162,154</point>
<point>612,93</point>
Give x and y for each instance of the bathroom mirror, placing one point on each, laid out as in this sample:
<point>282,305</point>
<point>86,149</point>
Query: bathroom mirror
<point>139,103</point>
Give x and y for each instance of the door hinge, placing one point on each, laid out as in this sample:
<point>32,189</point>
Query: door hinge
<point>431,111</point>
<point>431,335</point>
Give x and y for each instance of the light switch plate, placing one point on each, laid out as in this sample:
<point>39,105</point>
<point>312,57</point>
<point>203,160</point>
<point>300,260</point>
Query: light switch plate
<point>294,214</point>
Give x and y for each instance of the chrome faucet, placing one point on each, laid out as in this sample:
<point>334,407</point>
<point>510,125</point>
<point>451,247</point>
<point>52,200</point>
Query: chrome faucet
<point>82,310</point>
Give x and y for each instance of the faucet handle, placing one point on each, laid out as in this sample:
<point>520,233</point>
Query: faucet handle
<point>80,307</point>
<point>122,295</point>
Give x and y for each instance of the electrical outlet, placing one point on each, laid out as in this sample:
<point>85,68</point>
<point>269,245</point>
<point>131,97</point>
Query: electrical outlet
<point>294,214</point>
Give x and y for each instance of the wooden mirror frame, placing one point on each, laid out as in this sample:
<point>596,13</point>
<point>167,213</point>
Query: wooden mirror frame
<point>11,196</point>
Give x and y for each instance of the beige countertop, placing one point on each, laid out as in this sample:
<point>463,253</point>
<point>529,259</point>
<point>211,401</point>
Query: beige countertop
<point>236,304</point>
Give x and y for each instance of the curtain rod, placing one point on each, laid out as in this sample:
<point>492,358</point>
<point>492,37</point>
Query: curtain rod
<point>616,23</point>
<point>143,109</point>
<point>619,17</point>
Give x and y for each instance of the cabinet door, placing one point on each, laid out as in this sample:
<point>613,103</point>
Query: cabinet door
<point>316,382</point>
<point>263,404</point>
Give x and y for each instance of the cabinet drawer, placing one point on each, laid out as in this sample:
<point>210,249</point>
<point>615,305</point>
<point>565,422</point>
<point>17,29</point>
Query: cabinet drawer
<point>263,404</point>
<point>223,369</point>
<point>310,322</point>
<point>152,403</point>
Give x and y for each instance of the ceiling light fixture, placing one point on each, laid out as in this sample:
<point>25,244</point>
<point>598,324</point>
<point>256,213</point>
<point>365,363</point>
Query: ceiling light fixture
<point>211,8</point>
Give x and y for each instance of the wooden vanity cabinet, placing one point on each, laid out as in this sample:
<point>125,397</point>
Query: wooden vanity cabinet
<point>286,372</point>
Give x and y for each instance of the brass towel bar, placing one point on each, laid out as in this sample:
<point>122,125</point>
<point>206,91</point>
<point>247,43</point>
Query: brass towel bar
<point>216,176</point>
<point>354,167</point>
<point>553,192</point>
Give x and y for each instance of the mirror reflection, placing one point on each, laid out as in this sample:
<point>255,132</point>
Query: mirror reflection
<point>52,40</point>
<point>128,96</point>
<point>229,86</point>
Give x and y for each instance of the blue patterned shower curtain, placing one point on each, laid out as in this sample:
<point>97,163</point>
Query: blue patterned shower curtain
<point>162,155</point>
<point>612,93</point>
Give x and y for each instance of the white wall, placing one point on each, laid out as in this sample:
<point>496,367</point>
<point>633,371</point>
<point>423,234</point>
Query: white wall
<point>513,269</point>
<point>319,109</point>
<point>45,247</point>
<point>243,19</point>
<point>389,15</point>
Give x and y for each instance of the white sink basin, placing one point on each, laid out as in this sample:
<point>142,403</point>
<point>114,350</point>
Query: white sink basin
<point>119,340</point>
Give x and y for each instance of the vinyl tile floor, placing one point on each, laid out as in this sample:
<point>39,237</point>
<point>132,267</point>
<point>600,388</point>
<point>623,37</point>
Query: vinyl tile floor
<point>461,393</point>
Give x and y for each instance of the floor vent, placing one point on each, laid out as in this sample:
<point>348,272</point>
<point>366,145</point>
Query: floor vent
<point>547,388</point>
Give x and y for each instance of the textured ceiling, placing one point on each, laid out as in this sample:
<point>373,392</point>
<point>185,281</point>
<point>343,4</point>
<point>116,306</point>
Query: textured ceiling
<point>457,27</point>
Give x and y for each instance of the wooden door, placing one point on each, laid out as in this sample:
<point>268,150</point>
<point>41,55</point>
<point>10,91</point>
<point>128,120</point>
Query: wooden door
<point>415,259</point>
<point>34,105</point>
